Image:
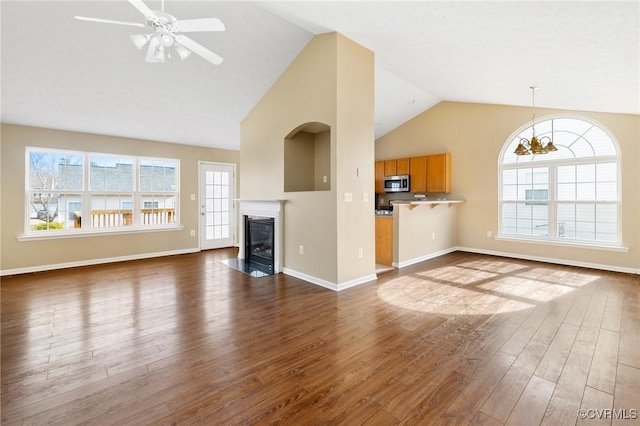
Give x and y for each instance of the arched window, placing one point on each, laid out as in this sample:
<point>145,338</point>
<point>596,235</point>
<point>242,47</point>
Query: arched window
<point>569,195</point>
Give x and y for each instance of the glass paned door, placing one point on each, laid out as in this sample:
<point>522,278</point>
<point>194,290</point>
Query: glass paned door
<point>217,224</point>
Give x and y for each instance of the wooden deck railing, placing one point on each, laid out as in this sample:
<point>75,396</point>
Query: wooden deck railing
<point>115,218</point>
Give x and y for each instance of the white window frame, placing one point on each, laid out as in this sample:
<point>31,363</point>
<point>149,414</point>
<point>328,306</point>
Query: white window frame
<point>85,193</point>
<point>553,202</point>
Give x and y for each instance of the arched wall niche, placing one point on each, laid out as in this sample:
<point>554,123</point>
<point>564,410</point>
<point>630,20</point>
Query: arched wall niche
<point>307,158</point>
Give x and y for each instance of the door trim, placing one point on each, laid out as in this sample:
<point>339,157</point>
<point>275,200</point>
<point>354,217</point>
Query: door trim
<point>233,200</point>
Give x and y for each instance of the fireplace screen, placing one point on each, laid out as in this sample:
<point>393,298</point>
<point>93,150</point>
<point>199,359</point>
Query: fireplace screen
<point>259,242</point>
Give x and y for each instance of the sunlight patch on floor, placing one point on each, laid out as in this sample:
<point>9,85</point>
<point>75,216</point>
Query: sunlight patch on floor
<point>481,288</point>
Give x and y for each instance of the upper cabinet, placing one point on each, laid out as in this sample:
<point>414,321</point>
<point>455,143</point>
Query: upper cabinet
<point>379,171</point>
<point>428,173</point>
<point>396,167</point>
<point>390,167</point>
<point>418,174</point>
<point>439,173</point>
<point>404,166</point>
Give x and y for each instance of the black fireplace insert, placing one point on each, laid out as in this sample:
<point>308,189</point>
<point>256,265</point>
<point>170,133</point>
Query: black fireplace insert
<point>259,242</point>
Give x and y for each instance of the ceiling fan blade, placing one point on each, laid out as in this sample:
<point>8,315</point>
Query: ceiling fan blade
<point>143,8</point>
<point>204,24</point>
<point>108,21</point>
<point>199,49</point>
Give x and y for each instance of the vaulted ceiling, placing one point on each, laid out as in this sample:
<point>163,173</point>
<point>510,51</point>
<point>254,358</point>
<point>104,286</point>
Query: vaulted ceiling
<point>61,73</point>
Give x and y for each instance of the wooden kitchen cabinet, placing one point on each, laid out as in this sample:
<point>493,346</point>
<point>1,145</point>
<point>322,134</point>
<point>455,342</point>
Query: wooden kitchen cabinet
<point>379,173</point>
<point>418,174</point>
<point>404,166</point>
<point>384,240</point>
<point>439,173</point>
<point>396,167</point>
<point>390,167</point>
<point>428,173</point>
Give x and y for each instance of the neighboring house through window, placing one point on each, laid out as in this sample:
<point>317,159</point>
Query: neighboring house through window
<point>81,191</point>
<point>569,195</point>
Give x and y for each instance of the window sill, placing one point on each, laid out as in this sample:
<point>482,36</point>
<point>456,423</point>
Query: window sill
<point>54,235</point>
<point>570,244</point>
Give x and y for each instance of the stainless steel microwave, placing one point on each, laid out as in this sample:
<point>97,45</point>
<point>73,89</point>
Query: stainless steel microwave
<point>396,183</point>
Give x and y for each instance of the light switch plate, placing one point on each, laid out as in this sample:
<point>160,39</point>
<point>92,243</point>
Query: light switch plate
<point>348,197</point>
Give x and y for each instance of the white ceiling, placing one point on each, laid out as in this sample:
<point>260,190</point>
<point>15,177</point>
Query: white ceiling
<point>61,73</point>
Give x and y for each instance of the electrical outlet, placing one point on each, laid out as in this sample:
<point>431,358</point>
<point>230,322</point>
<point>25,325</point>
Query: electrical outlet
<point>301,249</point>
<point>193,197</point>
<point>489,234</point>
<point>360,253</point>
<point>348,197</point>
<point>324,179</point>
<point>193,233</point>
<point>365,197</point>
<point>433,235</point>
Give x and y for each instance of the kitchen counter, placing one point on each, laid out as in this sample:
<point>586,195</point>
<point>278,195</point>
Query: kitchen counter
<point>431,203</point>
<point>422,230</point>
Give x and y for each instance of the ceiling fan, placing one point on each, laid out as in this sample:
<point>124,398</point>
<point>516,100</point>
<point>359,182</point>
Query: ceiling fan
<point>166,32</point>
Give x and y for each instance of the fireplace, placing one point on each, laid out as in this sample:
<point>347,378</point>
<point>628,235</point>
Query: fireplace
<point>259,242</point>
<point>261,239</point>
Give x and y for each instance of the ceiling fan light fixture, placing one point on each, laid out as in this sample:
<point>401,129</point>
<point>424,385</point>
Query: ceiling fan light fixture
<point>165,32</point>
<point>166,39</point>
<point>140,40</point>
<point>159,55</point>
<point>182,51</point>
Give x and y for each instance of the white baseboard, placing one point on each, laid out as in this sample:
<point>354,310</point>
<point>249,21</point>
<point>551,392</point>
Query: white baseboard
<point>553,260</point>
<point>423,258</point>
<point>357,281</point>
<point>328,284</point>
<point>319,281</point>
<point>91,262</point>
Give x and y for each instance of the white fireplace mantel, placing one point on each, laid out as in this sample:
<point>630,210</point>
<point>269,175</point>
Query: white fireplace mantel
<point>264,208</point>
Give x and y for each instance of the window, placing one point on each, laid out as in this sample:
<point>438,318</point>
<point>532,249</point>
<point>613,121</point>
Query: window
<point>568,195</point>
<point>75,192</point>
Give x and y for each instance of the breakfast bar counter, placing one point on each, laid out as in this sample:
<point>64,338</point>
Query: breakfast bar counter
<point>423,229</point>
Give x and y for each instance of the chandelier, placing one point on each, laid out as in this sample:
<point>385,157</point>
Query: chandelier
<point>535,146</point>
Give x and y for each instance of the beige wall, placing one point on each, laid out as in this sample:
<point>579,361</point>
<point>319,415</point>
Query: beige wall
<point>40,253</point>
<point>355,160</point>
<point>474,134</point>
<point>307,160</point>
<point>330,82</point>
<point>299,161</point>
<point>423,231</point>
<point>322,157</point>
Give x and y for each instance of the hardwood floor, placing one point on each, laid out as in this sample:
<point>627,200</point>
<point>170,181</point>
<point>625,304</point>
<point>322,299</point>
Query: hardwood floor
<point>461,339</point>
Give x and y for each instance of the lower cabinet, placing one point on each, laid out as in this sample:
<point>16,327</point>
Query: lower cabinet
<point>384,240</point>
